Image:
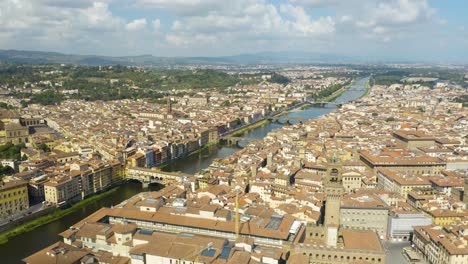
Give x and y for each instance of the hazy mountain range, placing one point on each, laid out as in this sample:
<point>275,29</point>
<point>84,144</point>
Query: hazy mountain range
<point>20,56</point>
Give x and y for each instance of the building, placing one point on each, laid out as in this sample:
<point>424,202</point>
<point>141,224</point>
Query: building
<point>13,197</point>
<point>36,189</point>
<point>197,101</point>
<point>358,246</point>
<point>364,212</point>
<point>118,171</point>
<point>402,160</point>
<point>333,192</point>
<point>210,220</point>
<point>67,254</point>
<point>401,222</point>
<point>442,245</point>
<point>213,136</point>
<point>413,139</point>
<point>12,129</point>
<point>352,180</point>
<point>400,182</point>
<point>62,189</point>
<point>444,217</point>
<point>16,133</point>
<point>125,243</point>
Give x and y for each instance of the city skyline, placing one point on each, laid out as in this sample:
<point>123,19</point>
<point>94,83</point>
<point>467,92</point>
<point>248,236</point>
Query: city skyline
<point>413,30</point>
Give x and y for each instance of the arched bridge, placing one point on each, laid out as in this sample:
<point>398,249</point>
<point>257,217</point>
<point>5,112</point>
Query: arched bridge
<point>230,140</point>
<point>147,176</point>
<point>287,120</point>
<point>337,104</point>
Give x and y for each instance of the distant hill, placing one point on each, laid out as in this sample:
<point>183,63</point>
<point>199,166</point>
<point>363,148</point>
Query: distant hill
<point>36,57</point>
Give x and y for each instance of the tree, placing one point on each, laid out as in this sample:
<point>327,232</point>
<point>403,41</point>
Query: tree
<point>6,170</point>
<point>10,151</point>
<point>278,78</point>
<point>43,147</point>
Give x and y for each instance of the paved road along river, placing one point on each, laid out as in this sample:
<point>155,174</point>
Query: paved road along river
<point>24,245</point>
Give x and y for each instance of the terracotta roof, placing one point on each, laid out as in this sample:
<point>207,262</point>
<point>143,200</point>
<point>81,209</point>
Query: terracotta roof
<point>361,240</point>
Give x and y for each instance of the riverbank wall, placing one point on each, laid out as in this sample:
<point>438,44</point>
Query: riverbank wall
<point>25,219</point>
<point>47,216</point>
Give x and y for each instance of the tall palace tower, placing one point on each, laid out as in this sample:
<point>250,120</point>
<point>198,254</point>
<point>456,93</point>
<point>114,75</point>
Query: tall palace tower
<point>334,192</point>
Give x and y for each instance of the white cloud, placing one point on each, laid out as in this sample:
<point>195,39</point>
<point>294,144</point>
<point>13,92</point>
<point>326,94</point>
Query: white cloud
<point>189,40</point>
<point>249,21</point>
<point>58,25</point>
<point>156,24</point>
<point>346,19</point>
<point>402,11</point>
<point>136,24</point>
<point>182,7</point>
<point>199,27</point>
<point>303,23</point>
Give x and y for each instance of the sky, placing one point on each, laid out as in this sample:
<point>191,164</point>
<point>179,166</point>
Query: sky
<point>425,30</point>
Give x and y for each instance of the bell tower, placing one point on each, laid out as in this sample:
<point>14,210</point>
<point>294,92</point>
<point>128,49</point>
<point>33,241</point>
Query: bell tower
<point>333,192</point>
<point>169,105</point>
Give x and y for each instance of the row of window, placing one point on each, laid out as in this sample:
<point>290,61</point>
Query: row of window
<point>16,201</point>
<point>342,258</point>
<point>10,194</point>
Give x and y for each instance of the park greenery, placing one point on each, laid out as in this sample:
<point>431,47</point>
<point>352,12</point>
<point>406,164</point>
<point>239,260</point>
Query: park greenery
<point>49,84</point>
<point>462,99</point>
<point>43,147</point>
<point>4,105</point>
<point>330,90</point>
<point>6,170</point>
<point>54,83</point>
<point>278,78</point>
<point>11,151</point>
<point>391,76</point>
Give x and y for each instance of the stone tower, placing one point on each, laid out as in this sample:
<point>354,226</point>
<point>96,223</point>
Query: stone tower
<point>169,105</point>
<point>333,192</point>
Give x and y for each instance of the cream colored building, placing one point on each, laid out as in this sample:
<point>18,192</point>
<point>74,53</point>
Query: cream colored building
<point>413,139</point>
<point>442,245</point>
<point>400,159</point>
<point>400,182</point>
<point>352,180</point>
<point>364,212</point>
<point>62,189</point>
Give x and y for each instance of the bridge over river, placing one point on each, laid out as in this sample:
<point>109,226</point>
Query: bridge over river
<point>147,176</point>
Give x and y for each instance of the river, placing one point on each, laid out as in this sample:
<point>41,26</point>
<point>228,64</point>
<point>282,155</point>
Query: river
<point>25,244</point>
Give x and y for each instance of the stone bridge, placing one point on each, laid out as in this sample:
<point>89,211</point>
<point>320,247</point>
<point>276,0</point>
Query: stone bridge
<point>230,140</point>
<point>287,120</point>
<point>323,102</point>
<point>147,176</point>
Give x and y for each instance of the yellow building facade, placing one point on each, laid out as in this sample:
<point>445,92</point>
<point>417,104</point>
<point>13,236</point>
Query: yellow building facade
<point>13,197</point>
